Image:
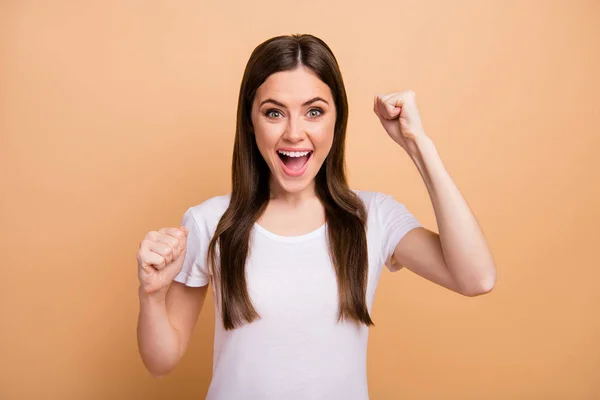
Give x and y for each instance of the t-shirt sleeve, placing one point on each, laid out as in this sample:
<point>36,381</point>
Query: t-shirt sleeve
<point>194,271</point>
<point>395,221</point>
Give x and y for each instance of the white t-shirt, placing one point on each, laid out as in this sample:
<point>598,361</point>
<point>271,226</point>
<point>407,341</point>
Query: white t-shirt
<point>297,349</point>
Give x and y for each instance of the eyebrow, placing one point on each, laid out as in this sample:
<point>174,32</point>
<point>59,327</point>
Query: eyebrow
<point>306,103</point>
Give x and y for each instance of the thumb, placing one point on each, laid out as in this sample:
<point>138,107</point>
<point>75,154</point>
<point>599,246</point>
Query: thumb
<point>184,229</point>
<point>392,110</point>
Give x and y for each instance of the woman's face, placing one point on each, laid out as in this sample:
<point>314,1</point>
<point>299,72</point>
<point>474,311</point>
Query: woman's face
<point>293,116</point>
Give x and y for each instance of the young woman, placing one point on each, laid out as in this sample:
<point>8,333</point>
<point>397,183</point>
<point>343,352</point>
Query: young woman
<point>293,254</point>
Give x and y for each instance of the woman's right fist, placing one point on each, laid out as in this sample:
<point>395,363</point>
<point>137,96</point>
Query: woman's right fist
<point>160,258</point>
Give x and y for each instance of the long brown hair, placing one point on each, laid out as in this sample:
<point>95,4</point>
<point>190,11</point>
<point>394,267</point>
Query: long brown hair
<point>344,211</point>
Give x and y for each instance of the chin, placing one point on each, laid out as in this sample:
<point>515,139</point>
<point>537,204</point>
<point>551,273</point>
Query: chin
<point>296,187</point>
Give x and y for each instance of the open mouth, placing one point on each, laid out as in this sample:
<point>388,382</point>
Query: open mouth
<point>294,163</point>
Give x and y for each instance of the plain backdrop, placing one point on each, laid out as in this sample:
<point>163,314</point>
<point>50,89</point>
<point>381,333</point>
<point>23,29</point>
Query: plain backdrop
<point>116,116</point>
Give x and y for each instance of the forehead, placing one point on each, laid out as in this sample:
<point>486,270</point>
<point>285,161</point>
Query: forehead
<point>294,86</point>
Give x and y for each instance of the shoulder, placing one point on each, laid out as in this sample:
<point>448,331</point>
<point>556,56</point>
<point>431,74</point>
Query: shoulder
<point>210,211</point>
<point>372,200</point>
<point>382,207</point>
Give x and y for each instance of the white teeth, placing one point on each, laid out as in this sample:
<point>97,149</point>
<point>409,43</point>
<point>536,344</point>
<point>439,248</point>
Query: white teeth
<point>294,153</point>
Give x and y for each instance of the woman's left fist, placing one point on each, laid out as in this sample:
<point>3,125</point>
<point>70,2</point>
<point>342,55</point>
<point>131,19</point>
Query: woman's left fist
<point>399,115</point>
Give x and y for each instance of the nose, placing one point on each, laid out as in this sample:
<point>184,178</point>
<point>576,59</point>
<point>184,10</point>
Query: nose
<point>294,131</point>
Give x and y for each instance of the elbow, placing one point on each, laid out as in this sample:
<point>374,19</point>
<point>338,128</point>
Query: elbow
<point>159,373</point>
<point>158,369</point>
<point>483,286</point>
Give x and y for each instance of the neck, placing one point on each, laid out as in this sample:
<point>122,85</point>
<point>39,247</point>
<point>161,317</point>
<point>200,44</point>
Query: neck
<point>295,198</point>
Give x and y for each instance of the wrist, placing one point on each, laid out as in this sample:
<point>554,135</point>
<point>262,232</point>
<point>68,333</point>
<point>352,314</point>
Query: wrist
<point>156,297</point>
<point>423,154</point>
<point>420,145</point>
<point>422,142</point>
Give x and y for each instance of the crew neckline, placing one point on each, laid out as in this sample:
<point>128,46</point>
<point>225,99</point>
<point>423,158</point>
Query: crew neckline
<point>299,238</point>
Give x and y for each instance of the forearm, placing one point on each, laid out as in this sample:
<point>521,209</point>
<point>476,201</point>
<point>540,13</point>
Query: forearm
<point>464,246</point>
<point>158,341</point>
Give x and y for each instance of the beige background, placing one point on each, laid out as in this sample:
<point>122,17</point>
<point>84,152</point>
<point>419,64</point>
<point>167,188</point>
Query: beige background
<point>115,116</point>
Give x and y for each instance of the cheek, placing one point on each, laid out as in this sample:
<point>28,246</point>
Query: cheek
<point>322,137</point>
<point>266,136</point>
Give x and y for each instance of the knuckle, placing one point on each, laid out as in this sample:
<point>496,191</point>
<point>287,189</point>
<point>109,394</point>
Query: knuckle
<point>141,258</point>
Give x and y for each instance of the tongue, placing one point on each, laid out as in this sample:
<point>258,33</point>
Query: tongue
<point>295,163</point>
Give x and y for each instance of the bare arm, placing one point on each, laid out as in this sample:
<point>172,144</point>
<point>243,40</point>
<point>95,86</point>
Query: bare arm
<point>458,257</point>
<point>165,325</point>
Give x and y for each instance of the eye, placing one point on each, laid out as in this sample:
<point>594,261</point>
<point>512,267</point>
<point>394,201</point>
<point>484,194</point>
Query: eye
<point>273,113</point>
<point>315,112</point>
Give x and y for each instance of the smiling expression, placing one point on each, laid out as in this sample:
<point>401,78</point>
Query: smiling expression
<point>293,116</point>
